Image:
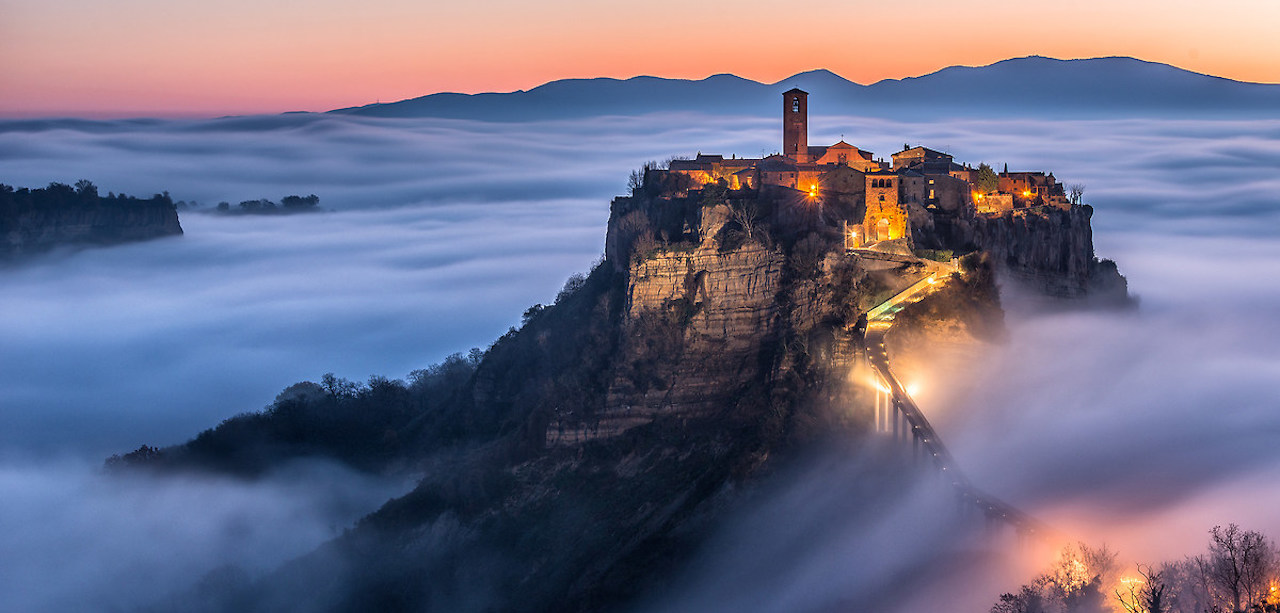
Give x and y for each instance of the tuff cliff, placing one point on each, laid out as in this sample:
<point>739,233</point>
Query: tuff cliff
<point>1051,250</point>
<point>32,221</point>
<point>1048,249</point>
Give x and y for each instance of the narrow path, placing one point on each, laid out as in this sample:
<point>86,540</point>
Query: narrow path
<point>879,320</point>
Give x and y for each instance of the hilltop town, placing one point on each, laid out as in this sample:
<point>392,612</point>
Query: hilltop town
<point>919,190</point>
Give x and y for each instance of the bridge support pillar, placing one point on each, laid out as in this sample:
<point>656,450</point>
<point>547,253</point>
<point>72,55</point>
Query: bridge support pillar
<point>893,417</point>
<point>882,411</point>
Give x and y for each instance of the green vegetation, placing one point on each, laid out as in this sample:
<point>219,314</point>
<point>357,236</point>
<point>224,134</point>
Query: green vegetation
<point>987,181</point>
<point>937,255</point>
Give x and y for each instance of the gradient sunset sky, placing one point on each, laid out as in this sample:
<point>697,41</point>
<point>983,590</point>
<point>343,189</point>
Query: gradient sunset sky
<point>165,57</point>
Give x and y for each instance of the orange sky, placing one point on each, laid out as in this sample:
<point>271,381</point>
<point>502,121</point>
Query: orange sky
<point>154,57</point>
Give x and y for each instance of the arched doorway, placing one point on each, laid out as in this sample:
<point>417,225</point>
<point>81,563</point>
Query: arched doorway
<point>882,229</point>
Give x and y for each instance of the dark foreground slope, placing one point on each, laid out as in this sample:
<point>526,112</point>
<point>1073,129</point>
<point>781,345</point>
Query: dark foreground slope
<point>36,220</point>
<point>577,463</point>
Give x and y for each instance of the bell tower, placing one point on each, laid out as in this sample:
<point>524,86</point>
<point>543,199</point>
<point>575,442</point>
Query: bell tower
<point>795,125</point>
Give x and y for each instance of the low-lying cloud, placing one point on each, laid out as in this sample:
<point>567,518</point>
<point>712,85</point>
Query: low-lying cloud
<point>1121,427</point>
<point>78,540</point>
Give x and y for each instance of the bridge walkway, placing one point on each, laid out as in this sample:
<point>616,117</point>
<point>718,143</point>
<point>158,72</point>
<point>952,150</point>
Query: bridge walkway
<point>902,416</point>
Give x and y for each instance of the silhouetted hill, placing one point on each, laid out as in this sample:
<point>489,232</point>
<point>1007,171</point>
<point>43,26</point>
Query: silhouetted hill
<point>37,220</point>
<point>1030,86</point>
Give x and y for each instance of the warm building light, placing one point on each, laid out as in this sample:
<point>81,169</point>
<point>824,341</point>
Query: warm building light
<point>1026,193</point>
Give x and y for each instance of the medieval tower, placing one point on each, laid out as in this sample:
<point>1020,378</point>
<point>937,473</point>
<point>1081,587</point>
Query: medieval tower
<point>795,125</point>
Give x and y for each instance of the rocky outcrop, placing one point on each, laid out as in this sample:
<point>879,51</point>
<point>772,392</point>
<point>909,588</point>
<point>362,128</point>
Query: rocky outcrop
<point>702,319</point>
<point>28,227</point>
<point>1051,250</point>
<point>595,446</point>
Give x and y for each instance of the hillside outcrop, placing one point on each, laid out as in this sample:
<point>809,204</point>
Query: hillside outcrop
<point>1051,250</point>
<point>583,457</point>
<point>33,221</point>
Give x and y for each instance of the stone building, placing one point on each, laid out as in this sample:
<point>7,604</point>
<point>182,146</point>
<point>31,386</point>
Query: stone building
<point>886,217</point>
<point>1033,189</point>
<point>878,201</point>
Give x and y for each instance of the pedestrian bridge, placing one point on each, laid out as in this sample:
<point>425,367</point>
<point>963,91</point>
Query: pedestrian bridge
<point>898,416</point>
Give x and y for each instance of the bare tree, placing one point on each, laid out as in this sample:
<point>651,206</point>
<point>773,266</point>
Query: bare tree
<point>636,181</point>
<point>1239,564</point>
<point>1075,192</point>
<point>1189,589</point>
<point>635,235</point>
<point>1075,582</point>
<point>1147,594</point>
<point>746,214</point>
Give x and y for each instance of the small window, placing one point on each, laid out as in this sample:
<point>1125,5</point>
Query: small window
<point>795,104</point>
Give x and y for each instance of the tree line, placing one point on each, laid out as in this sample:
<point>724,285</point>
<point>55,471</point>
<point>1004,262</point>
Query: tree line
<point>1239,572</point>
<point>263,206</point>
<point>62,196</point>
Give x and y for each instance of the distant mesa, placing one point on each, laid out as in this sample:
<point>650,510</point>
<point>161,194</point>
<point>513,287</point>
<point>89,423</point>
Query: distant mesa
<point>1026,87</point>
<point>37,220</point>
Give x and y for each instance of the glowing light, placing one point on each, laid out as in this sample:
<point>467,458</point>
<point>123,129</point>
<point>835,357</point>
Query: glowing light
<point>880,386</point>
<point>1026,193</point>
<point>913,388</point>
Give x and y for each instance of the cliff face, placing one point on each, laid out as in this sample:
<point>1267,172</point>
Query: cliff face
<point>1048,249</point>
<point>702,320</point>
<point>32,227</point>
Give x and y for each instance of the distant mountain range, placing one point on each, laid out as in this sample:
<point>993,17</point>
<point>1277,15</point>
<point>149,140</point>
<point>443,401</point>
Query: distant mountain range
<point>1030,86</point>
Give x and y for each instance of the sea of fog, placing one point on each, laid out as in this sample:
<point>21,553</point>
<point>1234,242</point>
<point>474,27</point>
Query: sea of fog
<point>1141,430</point>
